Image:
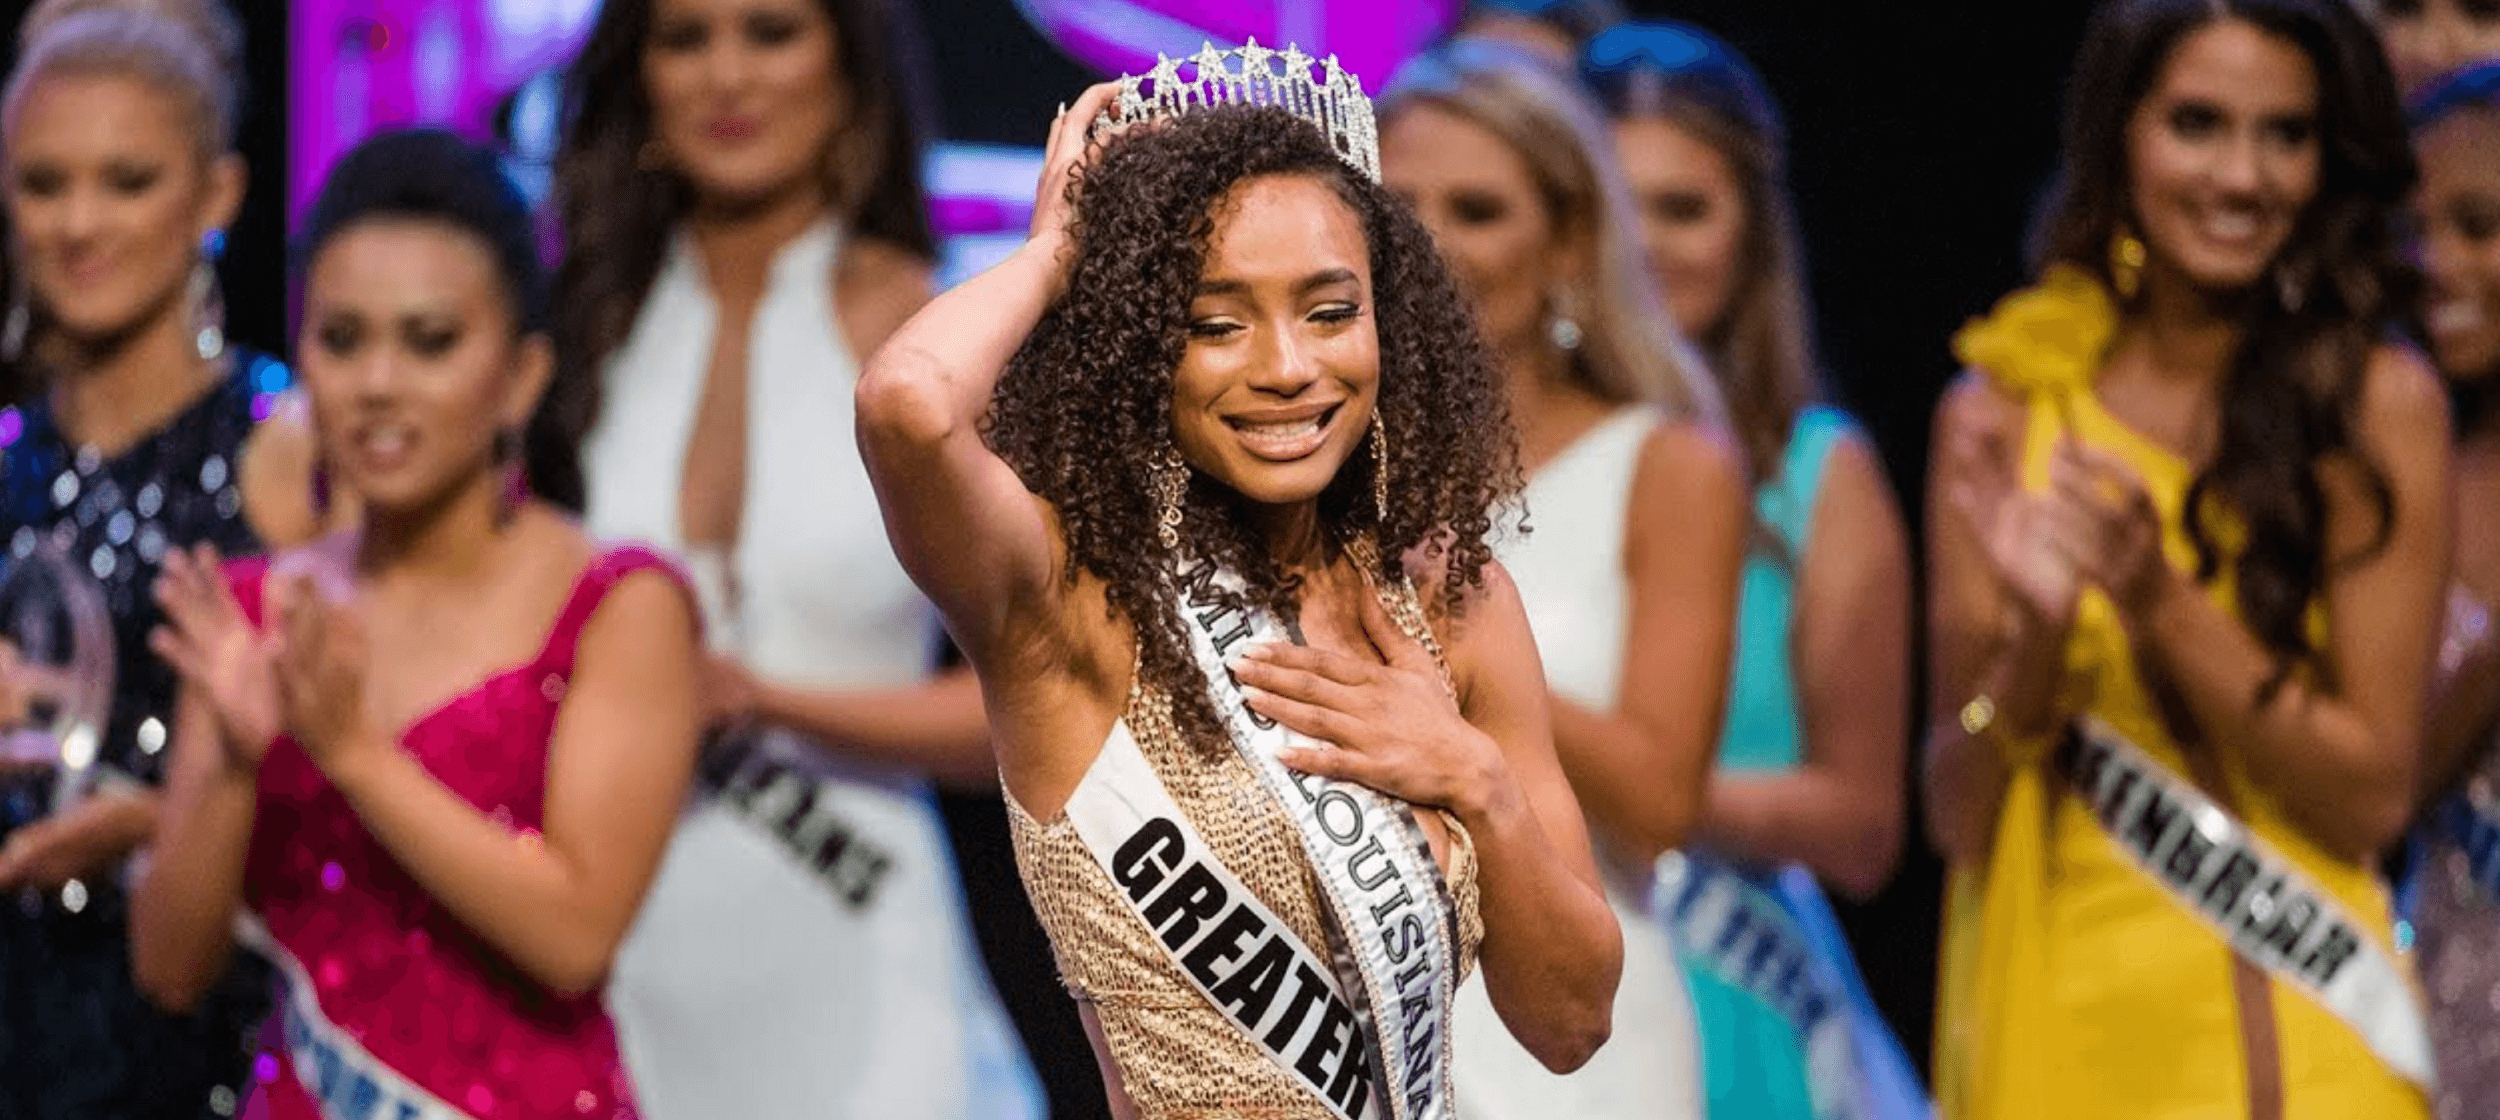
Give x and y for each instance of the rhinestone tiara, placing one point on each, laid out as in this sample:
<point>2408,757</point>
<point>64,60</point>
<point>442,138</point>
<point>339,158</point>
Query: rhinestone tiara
<point>1251,74</point>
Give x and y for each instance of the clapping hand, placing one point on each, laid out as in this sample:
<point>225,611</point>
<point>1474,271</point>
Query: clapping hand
<point>320,674</point>
<point>219,654</point>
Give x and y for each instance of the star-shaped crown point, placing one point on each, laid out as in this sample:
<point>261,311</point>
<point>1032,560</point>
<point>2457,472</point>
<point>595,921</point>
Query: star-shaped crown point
<point>1332,102</point>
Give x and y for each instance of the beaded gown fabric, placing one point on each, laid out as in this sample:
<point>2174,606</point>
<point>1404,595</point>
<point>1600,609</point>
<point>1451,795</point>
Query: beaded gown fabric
<point>76,1037</point>
<point>2458,954</point>
<point>1178,1057</point>
<point>389,963</point>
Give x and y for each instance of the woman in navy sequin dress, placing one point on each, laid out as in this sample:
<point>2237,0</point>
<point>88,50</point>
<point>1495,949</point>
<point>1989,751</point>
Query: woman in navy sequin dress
<point>118,172</point>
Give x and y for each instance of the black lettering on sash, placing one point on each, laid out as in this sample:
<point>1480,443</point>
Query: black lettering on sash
<point>2188,856</point>
<point>2090,758</point>
<point>1738,928</point>
<point>2120,785</point>
<point>1222,944</point>
<point>2333,951</point>
<point>1402,938</point>
<point>1334,1020</point>
<point>1193,897</point>
<point>1147,856</point>
<point>802,802</point>
<point>1419,1062</point>
<point>1252,987</point>
<point>1406,979</point>
<point>2230,885</point>
<point>2159,812</point>
<point>1344,801</point>
<point>857,878</point>
<point>1389,905</point>
<point>2260,901</point>
<point>1198,587</point>
<point>2291,920</point>
<point>1354,865</point>
<point>1307,986</point>
<point>1352,1089</point>
<point>1759,957</point>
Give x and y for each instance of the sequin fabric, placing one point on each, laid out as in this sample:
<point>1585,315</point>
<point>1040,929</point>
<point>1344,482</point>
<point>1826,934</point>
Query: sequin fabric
<point>422,993</point>
<point>2457,927</point>
<point>117,516</point>
<point>77,1040</point>
<point>1178,1057</point>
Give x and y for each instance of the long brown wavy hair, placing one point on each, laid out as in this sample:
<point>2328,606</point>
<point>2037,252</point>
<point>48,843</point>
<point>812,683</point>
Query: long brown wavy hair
<point>1084,409</point>
<point>2293,393</point>
<point>618,216</point>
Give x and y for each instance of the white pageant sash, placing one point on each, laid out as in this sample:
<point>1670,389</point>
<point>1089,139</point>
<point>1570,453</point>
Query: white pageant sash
<point>1282,995</point>
<point>1395,930</point>
<point>2253,897</point>
<point>343,1078</point>
<point>1745,936</point>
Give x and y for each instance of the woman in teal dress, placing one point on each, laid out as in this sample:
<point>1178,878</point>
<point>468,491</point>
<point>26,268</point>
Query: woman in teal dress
<point>1808,787</point>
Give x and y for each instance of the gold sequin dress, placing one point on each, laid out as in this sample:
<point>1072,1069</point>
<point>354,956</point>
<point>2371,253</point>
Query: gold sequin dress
<point>1178,1057</point>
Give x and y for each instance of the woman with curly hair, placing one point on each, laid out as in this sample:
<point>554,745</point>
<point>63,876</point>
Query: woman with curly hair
<point>740,190</point>
<point>2189,538</point>
<point>1202,478</point>
<point>1636,502</point>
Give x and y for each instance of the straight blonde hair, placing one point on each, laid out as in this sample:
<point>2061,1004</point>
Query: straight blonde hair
<point>1630,350</point>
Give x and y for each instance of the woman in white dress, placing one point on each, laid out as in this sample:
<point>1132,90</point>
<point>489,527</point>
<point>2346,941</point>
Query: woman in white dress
<point>1637,514</point>
<point>740,193</point>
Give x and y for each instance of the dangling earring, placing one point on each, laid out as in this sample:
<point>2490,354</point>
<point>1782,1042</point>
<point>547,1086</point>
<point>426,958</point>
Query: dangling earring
<point>1170,482</point>
<point>1562,329</point>
<point>1380,469</point>
<point>516,488</point>
<point>2126,264</point>
<point>2291,287</point>
<point>19,324</point>
<point>208,306</point>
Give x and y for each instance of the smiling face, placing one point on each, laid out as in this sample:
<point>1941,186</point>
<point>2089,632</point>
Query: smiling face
<point>1276,388</point>
<point>410,359</point>
<point>1480,199</point>
<point>110,197</point>
<point>1692,218</point>
<point>2223,155</point>
<point>2457,209</point>
<point>744,95</point>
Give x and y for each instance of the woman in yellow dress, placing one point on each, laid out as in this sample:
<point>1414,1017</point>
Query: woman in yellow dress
<point>2188,541</point>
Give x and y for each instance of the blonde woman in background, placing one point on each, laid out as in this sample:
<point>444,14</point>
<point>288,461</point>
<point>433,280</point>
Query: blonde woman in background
<point>120,172</point>
<point>1636,502</point>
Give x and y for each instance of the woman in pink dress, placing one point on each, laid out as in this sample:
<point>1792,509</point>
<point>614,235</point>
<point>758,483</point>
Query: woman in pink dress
<point>428,765</point>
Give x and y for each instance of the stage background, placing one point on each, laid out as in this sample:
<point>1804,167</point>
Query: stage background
<point>1923,135</point>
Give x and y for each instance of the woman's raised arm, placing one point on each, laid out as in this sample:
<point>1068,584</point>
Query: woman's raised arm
<point>962,522</point>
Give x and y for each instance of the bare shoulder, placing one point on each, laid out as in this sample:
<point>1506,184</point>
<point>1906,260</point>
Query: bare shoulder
<point>1485,609</point>
<point>1687,467</point>
<point>877,285</point>
<point>2403,399</point>
<point>1972,400</point>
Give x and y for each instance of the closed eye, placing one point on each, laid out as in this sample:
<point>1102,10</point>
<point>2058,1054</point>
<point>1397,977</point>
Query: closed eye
<point>1213,328</point>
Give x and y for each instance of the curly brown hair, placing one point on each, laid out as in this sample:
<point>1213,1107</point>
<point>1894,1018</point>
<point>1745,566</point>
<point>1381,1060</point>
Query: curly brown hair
<point>1083,410</point>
